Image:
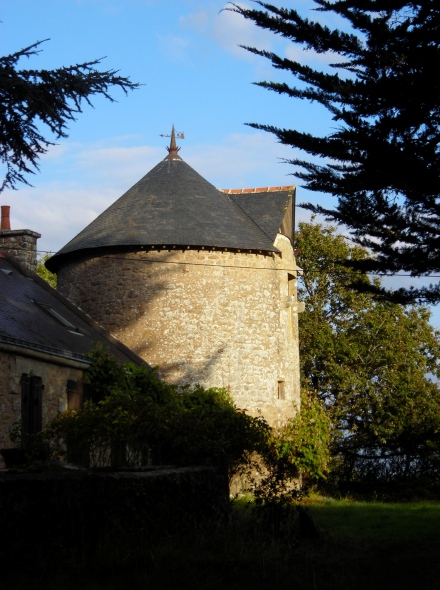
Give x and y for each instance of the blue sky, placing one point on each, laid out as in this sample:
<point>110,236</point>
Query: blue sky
<point>186,54</point>
<point>195,76</point>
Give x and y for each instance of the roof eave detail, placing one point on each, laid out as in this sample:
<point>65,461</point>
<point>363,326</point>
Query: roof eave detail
<point>57,260</point>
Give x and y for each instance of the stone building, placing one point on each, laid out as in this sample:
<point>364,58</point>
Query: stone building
<point>44,341</point>
<point>198,281</point>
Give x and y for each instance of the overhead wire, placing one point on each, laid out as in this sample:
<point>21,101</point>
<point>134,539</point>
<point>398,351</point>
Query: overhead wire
<point>384,274</point>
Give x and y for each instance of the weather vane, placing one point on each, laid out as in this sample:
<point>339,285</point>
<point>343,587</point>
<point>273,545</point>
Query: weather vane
<point>173,150</point>
<point>178,134</point>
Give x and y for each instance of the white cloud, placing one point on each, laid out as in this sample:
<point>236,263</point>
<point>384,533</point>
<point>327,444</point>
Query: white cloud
<point>198,20</point>
<point>56,151</point>
<point>118,165</point>
<point>230,30</point>
<point>242,160</point>
<point>58,212</point>
<point>227,29</point>
<point>174,47</point>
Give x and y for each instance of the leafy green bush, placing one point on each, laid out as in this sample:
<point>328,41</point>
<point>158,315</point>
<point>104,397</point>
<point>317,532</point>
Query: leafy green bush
<point>303,444</point>
<point>43,272</point>
<point>296,456</point>
<point>134,418</point>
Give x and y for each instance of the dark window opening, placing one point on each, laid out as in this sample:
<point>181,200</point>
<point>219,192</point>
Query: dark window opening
<point>78,449</point>
<point>31,404</point>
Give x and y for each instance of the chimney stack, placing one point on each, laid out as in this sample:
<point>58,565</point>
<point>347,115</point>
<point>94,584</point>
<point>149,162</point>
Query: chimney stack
<point>6,222</point>
<point>20,244</point>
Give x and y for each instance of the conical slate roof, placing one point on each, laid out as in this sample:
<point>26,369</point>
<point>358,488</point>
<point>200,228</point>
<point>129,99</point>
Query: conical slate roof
<point>173,205</point>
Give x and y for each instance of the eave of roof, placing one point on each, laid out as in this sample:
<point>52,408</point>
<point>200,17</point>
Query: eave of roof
<point>40,351</point>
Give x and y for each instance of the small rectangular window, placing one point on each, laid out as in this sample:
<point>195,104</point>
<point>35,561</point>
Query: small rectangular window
<point>77,394</point>
<point>291,281</point>
<point>78,450</point>
<point>73,395</point>
<point>281,390</point>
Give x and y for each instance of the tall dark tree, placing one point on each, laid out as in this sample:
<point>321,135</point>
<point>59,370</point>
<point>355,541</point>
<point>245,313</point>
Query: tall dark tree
<point>383,90</point>
<point>29,98</point>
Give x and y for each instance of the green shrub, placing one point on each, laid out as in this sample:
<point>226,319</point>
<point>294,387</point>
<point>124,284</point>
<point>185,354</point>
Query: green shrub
<point>134,418</point>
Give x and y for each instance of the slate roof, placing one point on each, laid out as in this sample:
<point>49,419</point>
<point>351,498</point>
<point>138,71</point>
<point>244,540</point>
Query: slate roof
<point>173,205</point>
<point>266,206</point>
<point>35,317</point>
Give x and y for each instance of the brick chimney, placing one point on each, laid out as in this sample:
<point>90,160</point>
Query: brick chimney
<point>18,243</point>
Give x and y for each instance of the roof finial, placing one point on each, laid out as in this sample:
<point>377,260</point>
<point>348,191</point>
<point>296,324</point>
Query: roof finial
<point>173,149</point>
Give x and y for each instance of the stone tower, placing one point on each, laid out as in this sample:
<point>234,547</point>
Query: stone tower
<point>198,281</point>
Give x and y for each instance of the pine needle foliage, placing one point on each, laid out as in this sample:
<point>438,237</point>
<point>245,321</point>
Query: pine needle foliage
<point>381,161</point>
<point>31,99</point>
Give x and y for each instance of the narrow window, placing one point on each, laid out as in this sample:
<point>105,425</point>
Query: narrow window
<point>281,390</point>
<point>78,449</point>
<point>73,395</point>
<point>31,404</point>
<point>292,284</point>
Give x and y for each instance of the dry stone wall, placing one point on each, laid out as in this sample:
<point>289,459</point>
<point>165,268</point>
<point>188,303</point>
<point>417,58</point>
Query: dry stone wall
<point>219,318</point>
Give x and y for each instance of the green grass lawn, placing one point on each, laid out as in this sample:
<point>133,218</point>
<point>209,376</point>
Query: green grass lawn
<point>360,546</point>
<point>379,545</point>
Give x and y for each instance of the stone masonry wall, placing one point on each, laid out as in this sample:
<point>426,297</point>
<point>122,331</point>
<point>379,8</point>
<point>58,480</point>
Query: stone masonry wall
<point>222,319</point>
<point>54,378</point>
<point>22,245</point>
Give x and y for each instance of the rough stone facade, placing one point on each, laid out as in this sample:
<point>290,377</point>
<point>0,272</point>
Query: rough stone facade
<point>22,245</point>
<point>54,377</point>
<point>218,318</point>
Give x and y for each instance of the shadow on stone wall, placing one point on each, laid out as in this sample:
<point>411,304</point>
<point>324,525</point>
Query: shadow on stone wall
<point>134,326</point>
<point>189,374</point>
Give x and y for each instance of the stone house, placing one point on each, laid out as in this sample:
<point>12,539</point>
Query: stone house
<point>198,281</point>
<point>44,340</point>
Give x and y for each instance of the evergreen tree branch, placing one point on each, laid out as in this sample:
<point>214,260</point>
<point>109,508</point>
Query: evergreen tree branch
<point>382,163</point>
<point>51,97</point>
